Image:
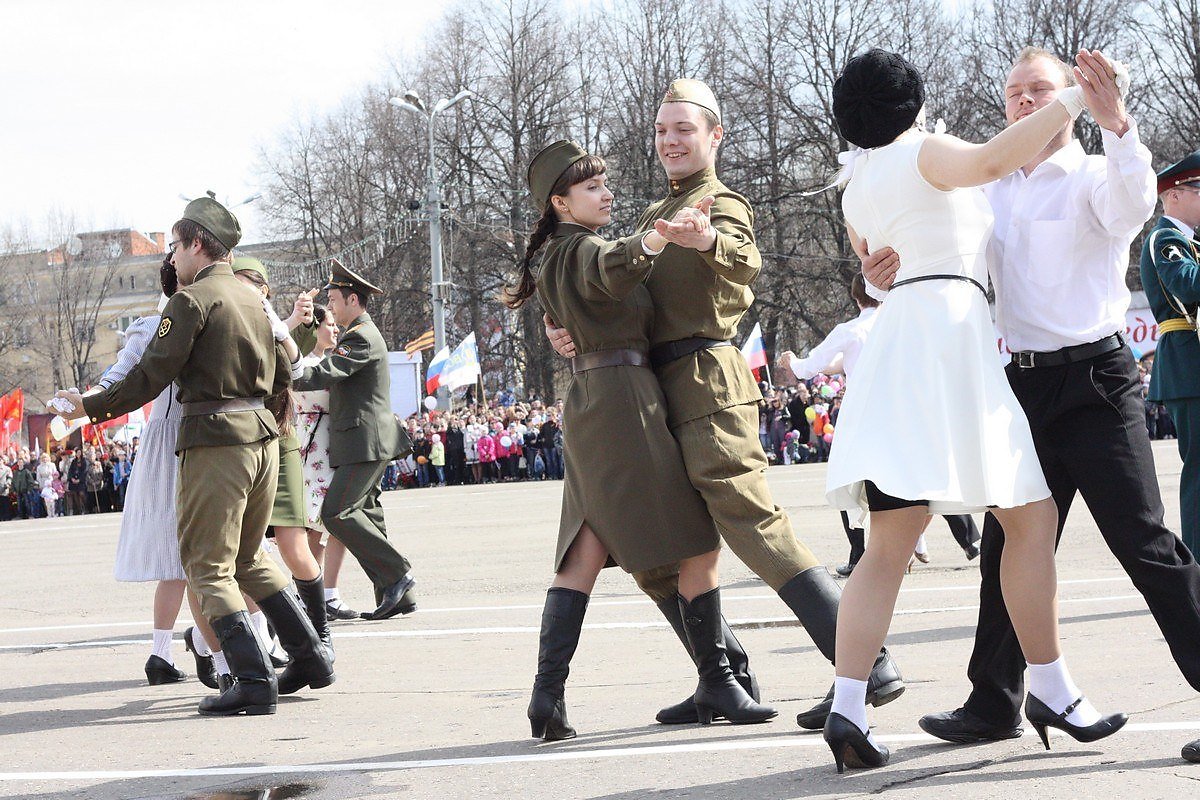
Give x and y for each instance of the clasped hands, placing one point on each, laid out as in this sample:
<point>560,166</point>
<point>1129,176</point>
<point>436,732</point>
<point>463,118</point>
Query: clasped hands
<point>691,227</point>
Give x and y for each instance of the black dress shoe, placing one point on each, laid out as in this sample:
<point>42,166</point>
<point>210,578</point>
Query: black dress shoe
<point>159,671</point>
<point>392,599</point>
<point>339,612</point>
<point>972,551</point>
<point>963,727</point>
<point>206,671</point>
<point>1191,752</point>
<point>845,570</point>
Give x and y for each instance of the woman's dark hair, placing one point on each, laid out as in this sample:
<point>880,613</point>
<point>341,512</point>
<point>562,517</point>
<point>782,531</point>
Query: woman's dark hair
<point>256,278</point>
<point>586,167</point>
<point>858,292</point>
<point>319,313</point>
<point>188,231</point>
<point>167,277</point>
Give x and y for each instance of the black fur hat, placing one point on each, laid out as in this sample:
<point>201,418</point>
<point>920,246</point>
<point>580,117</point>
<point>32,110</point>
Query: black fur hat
<point>877,97</point>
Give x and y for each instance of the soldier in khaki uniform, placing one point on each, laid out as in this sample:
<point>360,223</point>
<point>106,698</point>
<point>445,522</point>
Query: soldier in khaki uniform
<point>364,436</point>
<point>700,285</point>
<point>216,343</point>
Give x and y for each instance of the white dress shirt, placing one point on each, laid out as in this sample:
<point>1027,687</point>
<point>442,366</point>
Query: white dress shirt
<point>1188,230</point>
<point>1060,247</point>
<point>847,339</point>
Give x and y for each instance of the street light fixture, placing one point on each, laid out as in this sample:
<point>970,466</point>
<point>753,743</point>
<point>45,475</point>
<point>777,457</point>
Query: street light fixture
<point>411,101</point>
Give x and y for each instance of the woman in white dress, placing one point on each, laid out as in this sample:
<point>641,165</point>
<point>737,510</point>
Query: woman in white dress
<point>968,448</point>
<point>312,429</point>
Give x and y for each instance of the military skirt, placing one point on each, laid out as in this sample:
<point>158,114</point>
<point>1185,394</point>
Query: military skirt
<point>290,505</point>
<point>624,474</point>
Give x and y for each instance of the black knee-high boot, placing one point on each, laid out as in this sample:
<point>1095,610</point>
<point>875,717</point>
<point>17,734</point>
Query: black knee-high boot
<point>253,688</point>
<point>684,712</point>
<point>562,621</point>
<point>312,594</point>
<point>311,664</point>
<point>719,693</point>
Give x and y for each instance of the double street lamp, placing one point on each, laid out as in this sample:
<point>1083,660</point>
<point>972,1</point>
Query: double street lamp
<point>411,101</point>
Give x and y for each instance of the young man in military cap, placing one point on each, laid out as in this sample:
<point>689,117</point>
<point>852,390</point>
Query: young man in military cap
<point>1171,278</point>
<point>364,436</point>
<point>701,288</point>
<point>229,457</point>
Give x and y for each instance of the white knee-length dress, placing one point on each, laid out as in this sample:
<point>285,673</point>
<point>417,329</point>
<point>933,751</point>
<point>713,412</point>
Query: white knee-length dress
<point>148,545</point>
<point>929,414</point>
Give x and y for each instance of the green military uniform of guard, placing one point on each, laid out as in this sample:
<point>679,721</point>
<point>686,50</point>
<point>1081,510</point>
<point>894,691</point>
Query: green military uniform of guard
<point>215,342</point>
<point>364,436</point>
<point>699,298</point>
<point>1170,268</point>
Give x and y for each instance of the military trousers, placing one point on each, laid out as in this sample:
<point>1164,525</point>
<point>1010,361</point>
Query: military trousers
<point>351,512</point>
<point>1186,416</point>
<point>726,463</point>
<point>1089,429</point>
<point>223,501</point>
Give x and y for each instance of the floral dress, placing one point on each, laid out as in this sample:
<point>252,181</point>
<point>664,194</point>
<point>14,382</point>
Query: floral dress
<point>312,429</point>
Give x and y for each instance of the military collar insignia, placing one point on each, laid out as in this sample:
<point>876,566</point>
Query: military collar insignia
<point>696,179</point>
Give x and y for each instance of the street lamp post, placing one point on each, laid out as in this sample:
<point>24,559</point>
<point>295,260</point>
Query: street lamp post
<point>433,202</point>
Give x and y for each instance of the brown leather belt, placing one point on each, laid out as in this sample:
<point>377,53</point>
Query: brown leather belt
<point>223,406</point>
<point>665,353</point>
<point>618,357</point>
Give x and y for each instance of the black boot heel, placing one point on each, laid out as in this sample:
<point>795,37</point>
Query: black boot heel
<point>850,746</point>
<point>548,718</point>
<point>1041,717</point>
<point>704,715</point>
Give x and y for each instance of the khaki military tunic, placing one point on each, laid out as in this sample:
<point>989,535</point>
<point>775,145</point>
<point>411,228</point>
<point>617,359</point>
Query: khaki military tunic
<point>215,343</point>
<point>712,397</point>
<point>624,474</point>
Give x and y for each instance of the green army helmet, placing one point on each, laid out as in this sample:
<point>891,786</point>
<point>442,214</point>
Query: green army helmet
<point>342,277</point>
<point>690,90</point>
<point>1186,170</point>
<point>216,219</point>
<point>548,166</point>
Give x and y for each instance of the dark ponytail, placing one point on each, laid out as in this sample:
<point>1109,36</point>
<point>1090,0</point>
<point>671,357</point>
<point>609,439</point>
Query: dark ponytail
<point>515,297</point>
<point>586,167</point>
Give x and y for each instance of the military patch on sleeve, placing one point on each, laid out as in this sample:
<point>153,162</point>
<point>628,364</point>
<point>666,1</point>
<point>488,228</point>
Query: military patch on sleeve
<point>342,350</point>
<point>164,327</point>
<point>1171,252</point>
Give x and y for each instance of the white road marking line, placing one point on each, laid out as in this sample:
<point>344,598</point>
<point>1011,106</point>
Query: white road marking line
<point>725,598</point>
<point>773,743</point>
<point>596,626</point>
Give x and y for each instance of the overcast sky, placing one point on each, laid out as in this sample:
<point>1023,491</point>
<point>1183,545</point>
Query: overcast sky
<point>113,108</point>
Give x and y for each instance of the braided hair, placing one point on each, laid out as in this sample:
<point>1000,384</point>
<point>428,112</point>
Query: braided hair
<point>586,167</point>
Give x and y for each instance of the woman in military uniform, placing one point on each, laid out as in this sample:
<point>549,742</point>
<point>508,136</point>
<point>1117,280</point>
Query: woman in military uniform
<point>618,442</point>
<point>289,515</point>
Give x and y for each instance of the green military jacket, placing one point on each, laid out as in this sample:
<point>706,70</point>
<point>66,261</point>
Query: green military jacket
<point>215,342</point>
<point>704,294</point>
<point>362,426</point>
<point>1169,264</point>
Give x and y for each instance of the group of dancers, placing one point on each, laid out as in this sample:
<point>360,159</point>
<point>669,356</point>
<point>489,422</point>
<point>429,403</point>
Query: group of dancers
<point>661,423</point>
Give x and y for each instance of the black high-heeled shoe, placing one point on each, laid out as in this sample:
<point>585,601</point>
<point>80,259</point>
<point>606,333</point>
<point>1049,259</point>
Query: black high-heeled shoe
<point>160,671</point>
<point>548,718</point>
<point>851,746</point>
<point>1041,717</point>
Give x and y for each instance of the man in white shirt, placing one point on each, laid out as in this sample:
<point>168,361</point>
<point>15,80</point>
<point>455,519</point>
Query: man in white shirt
<point>1058,257</point>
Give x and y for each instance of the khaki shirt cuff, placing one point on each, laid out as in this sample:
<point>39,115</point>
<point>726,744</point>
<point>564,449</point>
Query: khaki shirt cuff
<point>724,259</point>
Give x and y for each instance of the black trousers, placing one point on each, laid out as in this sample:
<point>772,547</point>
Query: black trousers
<point>1089,429</point>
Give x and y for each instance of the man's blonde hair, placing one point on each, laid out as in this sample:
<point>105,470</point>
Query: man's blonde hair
<point>1031,53</point>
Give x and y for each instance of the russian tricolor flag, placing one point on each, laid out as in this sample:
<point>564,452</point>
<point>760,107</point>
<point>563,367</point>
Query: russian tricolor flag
<point>753,350</point>
<point>434,373</point>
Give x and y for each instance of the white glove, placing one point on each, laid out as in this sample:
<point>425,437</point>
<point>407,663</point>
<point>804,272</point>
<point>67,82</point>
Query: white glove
<point>279,328</point>
<point>60,405</point>
<point>1121,76</point>
<point>1072,99</point>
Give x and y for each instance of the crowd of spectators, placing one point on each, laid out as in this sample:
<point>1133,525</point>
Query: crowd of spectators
<point>64,481</point>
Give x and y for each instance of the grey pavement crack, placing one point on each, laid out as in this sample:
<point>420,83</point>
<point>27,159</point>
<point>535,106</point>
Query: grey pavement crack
<point>935,774</point>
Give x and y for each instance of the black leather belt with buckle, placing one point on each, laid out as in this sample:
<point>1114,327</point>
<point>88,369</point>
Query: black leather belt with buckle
<point>1068,355</point>
<point>665,353</point>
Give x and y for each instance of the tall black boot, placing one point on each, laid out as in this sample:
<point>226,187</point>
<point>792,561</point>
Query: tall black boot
<point>718,694</point>
<point>253,689</point>
<point>562,621</point>
<point>311,664</point>
<point>312,594</point>
<point>813,596</point>
<point>684,713</point>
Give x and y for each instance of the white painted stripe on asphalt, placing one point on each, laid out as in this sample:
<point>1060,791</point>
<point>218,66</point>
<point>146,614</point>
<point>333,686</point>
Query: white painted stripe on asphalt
<point>596,626</point>
<point>725,598</point>
<point>773,743</point>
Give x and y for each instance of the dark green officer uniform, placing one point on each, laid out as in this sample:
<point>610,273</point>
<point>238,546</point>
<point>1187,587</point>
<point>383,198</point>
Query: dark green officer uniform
<point>364,435</point>
<point>1170,271</point>
<point>215,342</point>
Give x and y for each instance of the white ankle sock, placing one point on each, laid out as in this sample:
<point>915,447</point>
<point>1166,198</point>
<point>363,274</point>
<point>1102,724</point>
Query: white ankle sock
<point>1052,684</point>
<point>162,645</point>
<point>222,666</point>
<point>921,547</point>
<point>198,644</point>
<point>332,595</point>
<point>850,700</point>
